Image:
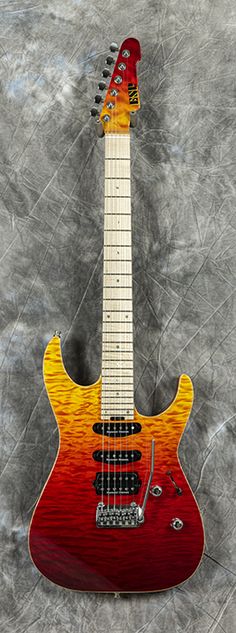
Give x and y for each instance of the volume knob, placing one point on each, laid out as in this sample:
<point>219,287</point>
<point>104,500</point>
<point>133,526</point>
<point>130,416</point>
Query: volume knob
<point>177,524</point>
<point>156,491</point>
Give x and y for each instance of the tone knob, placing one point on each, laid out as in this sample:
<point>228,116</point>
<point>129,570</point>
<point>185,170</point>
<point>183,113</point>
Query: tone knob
<point>176,523</point>
<point>106,72</point>
<point>114,47</point>
<point>98,98</point>
<point>156,491</point>
<point>102,85</point>
<point>110,60</point>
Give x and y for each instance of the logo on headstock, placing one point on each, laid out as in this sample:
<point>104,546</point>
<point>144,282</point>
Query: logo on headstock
<point>133,94</point>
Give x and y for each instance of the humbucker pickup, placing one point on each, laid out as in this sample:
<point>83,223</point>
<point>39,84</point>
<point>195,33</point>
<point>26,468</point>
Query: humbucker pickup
<point>117,483</point>
<point>114,429</point>
<point>117,457</point>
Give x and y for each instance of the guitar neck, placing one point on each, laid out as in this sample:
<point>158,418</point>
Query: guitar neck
<point>117,333</point>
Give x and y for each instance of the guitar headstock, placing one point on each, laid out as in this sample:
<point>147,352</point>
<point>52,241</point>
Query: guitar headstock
<point>122,98</point>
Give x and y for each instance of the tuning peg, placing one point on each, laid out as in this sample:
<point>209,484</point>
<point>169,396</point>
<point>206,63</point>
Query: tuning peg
<point>106,72</point>
<point>114,47</point>
<point>94,111</point>
<point>102,85</point>
<point>98,98</point>
<point>110,60</point>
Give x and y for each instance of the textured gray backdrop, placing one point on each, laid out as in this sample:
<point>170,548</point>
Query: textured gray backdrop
<point>184,256</point>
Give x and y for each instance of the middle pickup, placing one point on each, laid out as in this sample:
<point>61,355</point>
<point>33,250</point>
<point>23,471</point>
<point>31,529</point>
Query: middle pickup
<point>117,457</point>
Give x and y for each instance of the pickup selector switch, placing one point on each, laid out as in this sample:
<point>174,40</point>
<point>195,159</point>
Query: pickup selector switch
<point>177,524</point>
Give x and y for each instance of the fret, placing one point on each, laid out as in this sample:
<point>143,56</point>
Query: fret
<point>118,362</point>
<point>113,410</point>
<point>118,304</point>
<point>116,400</point>
<point>118,196</point>
<point>119,294</point>
<point>112,340</point>
<point>119,332</point>
<point>123,390</point>
<point>119,275</point>
<point>121,341</point>
<point>118,371</point>
<point>117,311</point>
<point>113,378</point>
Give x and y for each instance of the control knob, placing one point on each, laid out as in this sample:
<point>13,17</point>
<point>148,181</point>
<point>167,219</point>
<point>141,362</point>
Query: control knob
<point>176,523</point>
<point>156,491</point>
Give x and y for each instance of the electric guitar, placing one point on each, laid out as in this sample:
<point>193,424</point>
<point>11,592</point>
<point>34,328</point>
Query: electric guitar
<point>116,513</point>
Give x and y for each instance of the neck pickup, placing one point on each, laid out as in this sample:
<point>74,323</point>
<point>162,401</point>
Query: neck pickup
<point>120,429</point>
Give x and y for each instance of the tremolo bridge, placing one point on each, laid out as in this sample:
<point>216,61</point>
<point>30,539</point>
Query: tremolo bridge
<point>118,516</point>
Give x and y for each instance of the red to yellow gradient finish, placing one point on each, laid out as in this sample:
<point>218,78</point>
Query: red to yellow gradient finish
<point>127,100</point>
<point>65,543</point>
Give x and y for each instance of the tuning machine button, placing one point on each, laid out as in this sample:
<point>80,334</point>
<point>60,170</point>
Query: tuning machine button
<point>177,524</point>
<point>98,98</point>
<point>106,72</point>
<point>110,60</point>
<point>102,85</point>
<point>94,111</point>
<point>156,491</point>
<point>114,47</point>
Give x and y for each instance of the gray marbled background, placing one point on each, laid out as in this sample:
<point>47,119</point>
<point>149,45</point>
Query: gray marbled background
<point>184,263</point>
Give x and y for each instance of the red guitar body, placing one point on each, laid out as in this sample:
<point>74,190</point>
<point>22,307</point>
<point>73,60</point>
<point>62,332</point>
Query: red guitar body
<point>65,543</point>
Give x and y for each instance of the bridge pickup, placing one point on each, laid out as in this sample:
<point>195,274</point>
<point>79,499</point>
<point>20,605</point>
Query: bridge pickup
<point>117,457</point>
<point>114,429</point>
<point>117,483</point>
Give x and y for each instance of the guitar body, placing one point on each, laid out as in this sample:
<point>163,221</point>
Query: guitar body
<point>65,543</point>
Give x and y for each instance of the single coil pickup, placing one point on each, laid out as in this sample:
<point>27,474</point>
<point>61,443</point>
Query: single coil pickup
<point>112,429</point>
<point>117,457</point>
<point>117,483</point>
